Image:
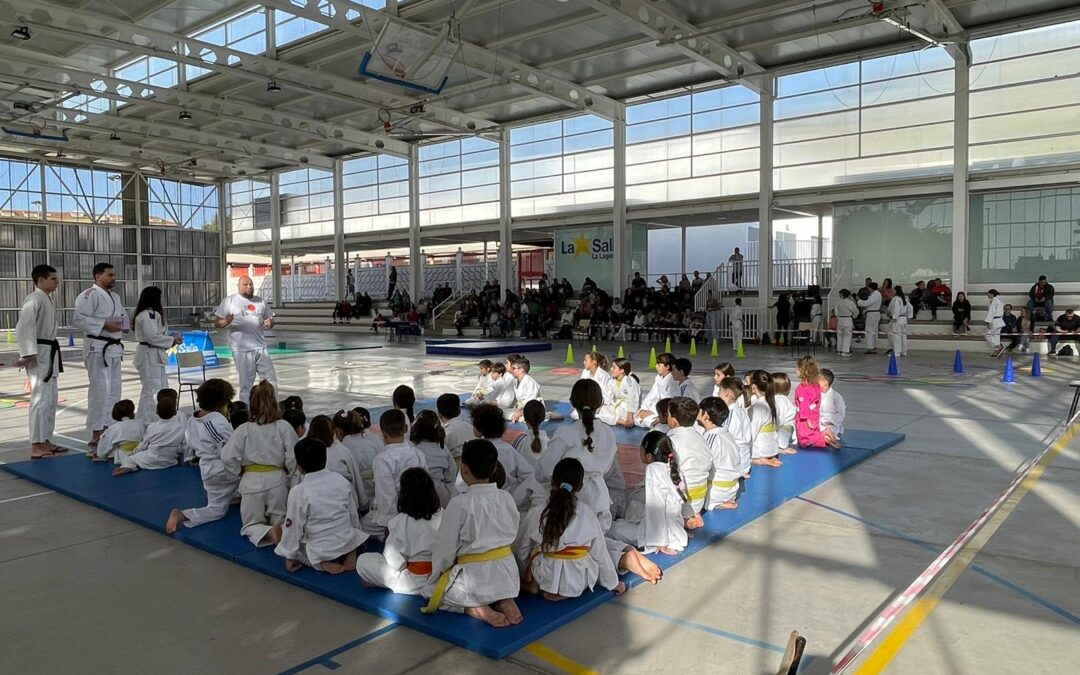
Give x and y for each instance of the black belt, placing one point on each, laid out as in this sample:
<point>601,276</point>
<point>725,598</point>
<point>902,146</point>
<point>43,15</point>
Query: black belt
<point>147,344</point>
<point>108,343</point>
<point>872,311</point>
<point>54,351</point>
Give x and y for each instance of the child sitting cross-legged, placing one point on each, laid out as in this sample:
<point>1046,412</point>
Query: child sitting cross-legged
<point>162,444</point>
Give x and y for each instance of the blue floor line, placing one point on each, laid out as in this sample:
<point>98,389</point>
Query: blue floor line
<point>701,627</point>
<point>326,659</point>
<point>1019,590</point>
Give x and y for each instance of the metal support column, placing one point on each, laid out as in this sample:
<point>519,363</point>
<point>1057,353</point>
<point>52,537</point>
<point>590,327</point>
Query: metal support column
<point>619,230</point>
<point>765,199</point>
<point>224,235</point>
<point>275,240</point>
<point>416,262</point>
<point>818,267</point>
<point>506,235</point>
<point>340,263</point>
<point>139,183</point>
<point>961,205</point>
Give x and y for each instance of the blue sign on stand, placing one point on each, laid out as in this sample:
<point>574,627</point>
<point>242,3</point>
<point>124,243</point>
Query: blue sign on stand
<point>195,341</point>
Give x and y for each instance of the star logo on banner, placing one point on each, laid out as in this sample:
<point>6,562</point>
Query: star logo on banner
<point>581,245</point>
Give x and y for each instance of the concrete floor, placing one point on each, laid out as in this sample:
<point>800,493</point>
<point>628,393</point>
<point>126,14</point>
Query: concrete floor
<point>88,592</point>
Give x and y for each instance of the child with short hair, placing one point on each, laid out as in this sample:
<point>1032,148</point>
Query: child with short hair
<point>626,396</point>
<point>399,455</point>
<point>681,375</point>
<point>207,432</point>
<point>473,567</point>
<point>533,444</point>
<point>785,414</point>
<point>657,509</point>
<point>458,431</point>
<point>430,439</point>
<point>490,423</point>
<point>339,458</point>
<point>502,388</point>
<point>763,415</point>
<point>833,410</point>
<point>484,385</point>
<point>695,460</point>
<point>322,524</point>
<point>663,415</point>
<point>722,370</point>
<point>527,388</point>
<point>122,437</point>
<point>726,463</point>
<point>162,444</point>
<point>594,446</point>
<point>296,419</point>
<point>738,421</point>
<point>405,562</point>
<point>808,403</point>
<point>561,549</point>
<point>663,387</point>
<point>260,456</point>
<point>292,403</point>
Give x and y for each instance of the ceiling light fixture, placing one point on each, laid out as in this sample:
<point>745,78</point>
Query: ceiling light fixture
<point>114,136</point>
<point>272,87</point>
<point>185,115</point>
<point>21,33</point>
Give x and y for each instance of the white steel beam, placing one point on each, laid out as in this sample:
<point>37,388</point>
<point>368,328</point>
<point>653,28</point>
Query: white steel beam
<point>39,69</point>
<point>93,28</point>
<point>663,25</point>
<point>341,14</point>
<point>174,163</point>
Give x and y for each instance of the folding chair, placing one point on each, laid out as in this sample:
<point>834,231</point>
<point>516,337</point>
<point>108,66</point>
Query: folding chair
<point>804,336</point>
<point>189,361</point>
<point>584,328</point>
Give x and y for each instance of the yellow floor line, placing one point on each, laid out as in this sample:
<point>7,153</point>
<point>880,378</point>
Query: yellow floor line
<point>917,613</point>
<point>556,659</point>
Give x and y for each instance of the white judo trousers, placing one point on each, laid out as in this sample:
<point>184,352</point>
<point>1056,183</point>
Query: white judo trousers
<point>736,334</point>
<point>43,398</point>
<point>153,379</point>
<point>220,494</point>
<point>250,363</point>
<point>898,335</point>
<point>845,325</point>
<point>873,322</point>
<point>106,388</point>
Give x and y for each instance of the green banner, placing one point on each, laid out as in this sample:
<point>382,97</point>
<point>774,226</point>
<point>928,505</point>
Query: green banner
<point>585,252</point>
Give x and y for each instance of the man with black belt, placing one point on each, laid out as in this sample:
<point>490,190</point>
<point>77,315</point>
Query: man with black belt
<point>846,309</point>
<point>39,353</point>
<point>871,307</point>
<point>100,314</point>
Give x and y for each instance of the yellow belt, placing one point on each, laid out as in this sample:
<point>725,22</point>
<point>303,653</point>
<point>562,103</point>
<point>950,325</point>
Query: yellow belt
<point>768,428</point>
<point>697,492</point>
<point>262,468</point>
<point>788,427</point>
<point>725,484</point>
<point>464,559</point>
<point>129,446</point>
<point>368,475</point>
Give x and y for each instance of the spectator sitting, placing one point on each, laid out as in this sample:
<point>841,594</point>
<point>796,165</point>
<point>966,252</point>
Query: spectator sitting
<point>940,296</point>
<point>460,321</point>
<point>378,322</point>
<point>961,312</point>
<point>1041,300</point>
<point>918,298</point>
<point>342,311</point>
<point>1066,327</point>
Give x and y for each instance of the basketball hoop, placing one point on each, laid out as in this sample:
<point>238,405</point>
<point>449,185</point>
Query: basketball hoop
<point>410,57</point>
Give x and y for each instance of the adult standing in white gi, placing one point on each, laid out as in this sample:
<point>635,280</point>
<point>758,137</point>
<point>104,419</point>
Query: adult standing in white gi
<point>100,314</point>
<point>247,315</point>
<point>871,307</point>
<point>39,353</point>
<point>995,321</point>
<point>152,354</point>
<point>845,322</point>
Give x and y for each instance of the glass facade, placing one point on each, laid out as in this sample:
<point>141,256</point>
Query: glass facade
<point>20,189</point>
<point>906,240</point>
<point>84,195</point>
<point>245,32</point>
<point>376,193</point>
<point>307,203</point>
<point>185,205</point>
<point>561,165</point>
<point>248,206</point>
<point>459,181</point>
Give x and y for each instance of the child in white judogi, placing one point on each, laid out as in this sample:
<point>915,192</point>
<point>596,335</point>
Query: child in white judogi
<point>485,383</point>
<point>527,389</point>
<point>571,556</point>
<point>503,392</point>
<point>596,369</point>
<point>206,434</point>
<point>405,563</point>
<point>430,439</point>
<point>322,525</point>
<point>473,568</point>
<point>593,446</point>
<point>162,444</point>
<point>695,459</point>
<point>122,436</point>
<point>726,463</point>
<point>533,444</point>
<point>260,455</point>
<point>764,449</point>
<point>339,459</point>
<point>833,410</point>
<point>364,445</point>
<point>626,396</point>
<point>662,416</point>
<point>389,465</point>
<point>738,421</point>
<point>490,424</point>
<point>458,431</point>
<point>152,353</point>
<point>736,319</point>
<point>663,387</point>
<point>785,414</point>
<point>722,370</point>
<point>656,510</point>
<point>681,374</point>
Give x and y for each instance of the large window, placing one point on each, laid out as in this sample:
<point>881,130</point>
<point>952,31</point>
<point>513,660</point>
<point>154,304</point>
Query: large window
<point>459,181</point>
<point>703,144</point>
<point>376,193</point>
<point>907,240</point>
<point>1016,236</point>
<point>248,205</point>
<point>245,32</point>
<point>20,189</point>
<point>186,205</point>
<point>878,119</point>
<point>149,70</point>
<point>289,28</point>
<point>307,203</point>
<point>84,195</point>
<point>561,165</point>
<point>1025,98</point>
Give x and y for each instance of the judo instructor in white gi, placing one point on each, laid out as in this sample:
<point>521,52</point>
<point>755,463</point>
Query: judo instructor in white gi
<point>247,315</point>
<point>39,353</point>
<point>100,314</point>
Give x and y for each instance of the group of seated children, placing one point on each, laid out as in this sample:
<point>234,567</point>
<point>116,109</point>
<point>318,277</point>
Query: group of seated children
<point>466,518</point>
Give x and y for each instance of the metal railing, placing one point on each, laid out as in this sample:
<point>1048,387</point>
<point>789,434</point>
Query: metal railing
<point>786,275</point>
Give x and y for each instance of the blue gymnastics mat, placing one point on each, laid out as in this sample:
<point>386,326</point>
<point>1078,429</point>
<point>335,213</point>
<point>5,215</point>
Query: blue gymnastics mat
<point>483,348</point>
<point>146,497</point>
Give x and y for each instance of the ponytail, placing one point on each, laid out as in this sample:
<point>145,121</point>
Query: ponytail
<point>566,481</point>
<point>587,397</point>
<point>404,398</point>
<point>763,382</point>
<point>361,420</point>
<point>534,414</point>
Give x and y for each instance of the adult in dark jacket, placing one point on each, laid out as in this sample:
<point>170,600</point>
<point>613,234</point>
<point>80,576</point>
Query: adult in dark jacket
<point>1041,300</point>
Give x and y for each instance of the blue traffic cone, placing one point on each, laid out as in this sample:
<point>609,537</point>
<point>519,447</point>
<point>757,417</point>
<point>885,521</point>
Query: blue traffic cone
<point>958,363</point>
<point>1036,366</point>
<point>1009,376</point>
<point>71,339</point>
<point>894,371</point>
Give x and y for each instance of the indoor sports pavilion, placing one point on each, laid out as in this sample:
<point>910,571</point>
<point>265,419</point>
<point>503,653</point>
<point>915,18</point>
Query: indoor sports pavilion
<point>391,191</point>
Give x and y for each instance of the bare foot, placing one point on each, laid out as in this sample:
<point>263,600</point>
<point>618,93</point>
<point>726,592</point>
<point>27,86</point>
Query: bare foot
<point>729,504</point>
<point>668,551</point>
<point>350,562</point>
<point>367,584</point>
<point>788,451</point>
<point>530,587</point>
<point>621,588</point>
<point>695,522</point>
<point>553,597</point>
<point>294,565</point>
<point>510,609</point>
<point>98,459</point>
<point>635,562</point>
<point>766,461</point>
<point>329,567</point>
<point>275,534</point>
<point>121,470</point>
<point>94,438</point>
<point>488,616</point>
<point>176,517</point>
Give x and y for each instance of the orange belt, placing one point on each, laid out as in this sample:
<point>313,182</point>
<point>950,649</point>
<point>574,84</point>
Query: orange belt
<point>568,553</point>
<point>419,567</point>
